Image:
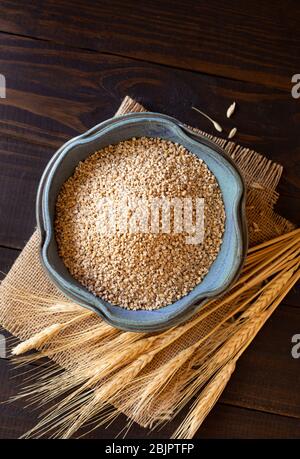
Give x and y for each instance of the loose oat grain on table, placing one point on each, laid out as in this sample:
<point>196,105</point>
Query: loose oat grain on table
<point>142,270</point>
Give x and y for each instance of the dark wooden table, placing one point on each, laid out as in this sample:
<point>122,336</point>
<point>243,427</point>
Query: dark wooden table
<point>68,65</point>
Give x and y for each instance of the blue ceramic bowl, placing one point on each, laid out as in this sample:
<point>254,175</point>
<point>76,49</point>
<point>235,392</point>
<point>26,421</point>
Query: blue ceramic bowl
<point>223,271</point>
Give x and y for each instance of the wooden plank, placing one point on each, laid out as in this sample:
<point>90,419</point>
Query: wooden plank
<point>53,110</point>
<point>267,376</point>
<point>7,258</point>
<point>293,297</point>
<point>267,365</point>
<point>227,422</point>
<point>41,111</point>
<point>43,108</point>
<point>250,41</point>
<point>224,421</point>
<point>22,165</point>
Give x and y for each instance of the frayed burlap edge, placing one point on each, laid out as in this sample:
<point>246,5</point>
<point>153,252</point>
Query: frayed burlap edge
<point>261,176</point>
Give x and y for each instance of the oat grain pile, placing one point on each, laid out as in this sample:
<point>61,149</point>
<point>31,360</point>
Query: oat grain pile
<point>141,270</point>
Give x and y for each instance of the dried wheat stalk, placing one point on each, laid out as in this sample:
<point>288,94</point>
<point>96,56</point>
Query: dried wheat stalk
<point>235,348</point>
<point>206,401</point>
<point>154,395</point>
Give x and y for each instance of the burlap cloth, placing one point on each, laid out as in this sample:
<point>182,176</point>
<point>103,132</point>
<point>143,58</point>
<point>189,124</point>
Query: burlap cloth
<point>261,177</point>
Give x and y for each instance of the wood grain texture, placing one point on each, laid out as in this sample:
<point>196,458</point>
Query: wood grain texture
<point>22,165</point>
<point>293,297</point>
<point>245,40</point>
<point>54,93</point>
<point>82,59</point>
<point>225,421</point>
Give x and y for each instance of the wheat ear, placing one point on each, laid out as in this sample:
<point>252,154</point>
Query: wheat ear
<point>204,403</point>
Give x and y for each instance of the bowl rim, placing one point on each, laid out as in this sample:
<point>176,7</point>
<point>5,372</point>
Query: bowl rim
<point>45,225</point>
